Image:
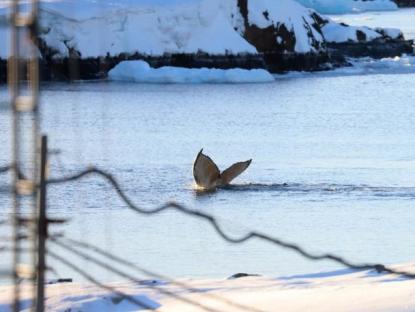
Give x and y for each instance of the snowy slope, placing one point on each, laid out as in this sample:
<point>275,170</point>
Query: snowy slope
<point>286,15</point>
<point>186,27</point>
<point>349,6</point>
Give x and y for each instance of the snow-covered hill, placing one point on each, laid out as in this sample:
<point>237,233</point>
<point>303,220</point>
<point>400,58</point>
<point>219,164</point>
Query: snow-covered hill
<point>138,27</point>
<point>87,28</point>
<point>108,32</point>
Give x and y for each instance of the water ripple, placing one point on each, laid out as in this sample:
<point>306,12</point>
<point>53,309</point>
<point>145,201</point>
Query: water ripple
<point>325,188</point>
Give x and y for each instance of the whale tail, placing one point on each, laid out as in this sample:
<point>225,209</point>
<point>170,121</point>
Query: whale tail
<point>207,175</point>
<point>233,171</point>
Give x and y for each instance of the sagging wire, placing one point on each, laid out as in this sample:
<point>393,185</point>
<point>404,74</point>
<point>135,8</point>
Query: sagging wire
<point>215,224</point>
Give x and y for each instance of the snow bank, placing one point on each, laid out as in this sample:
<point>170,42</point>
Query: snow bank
<point>349,6</point>
<point>340,291</point>
<point>140,71</point>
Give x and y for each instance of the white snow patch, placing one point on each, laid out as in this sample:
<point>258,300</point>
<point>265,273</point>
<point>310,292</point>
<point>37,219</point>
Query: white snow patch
<point>402,19</point>
<point>393,33</point>
<point>140,71</point>
<point>334,32</point>
<point>348,6</point>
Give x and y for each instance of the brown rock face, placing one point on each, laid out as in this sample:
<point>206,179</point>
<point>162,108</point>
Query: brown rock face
<point>265,39</point>
<point>276,38</point>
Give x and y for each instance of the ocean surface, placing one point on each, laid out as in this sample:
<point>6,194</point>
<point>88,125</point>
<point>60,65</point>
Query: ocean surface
<point>333,170</point>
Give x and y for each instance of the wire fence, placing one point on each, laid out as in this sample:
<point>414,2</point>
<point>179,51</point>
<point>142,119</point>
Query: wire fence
<point>83,250</point>
<point>88,247</point>
<point>4,169</point>
<point>215,225</point>
<point>133,279</point>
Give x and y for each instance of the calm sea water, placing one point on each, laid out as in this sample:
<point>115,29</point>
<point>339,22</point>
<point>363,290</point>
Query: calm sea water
<point>345,146</point>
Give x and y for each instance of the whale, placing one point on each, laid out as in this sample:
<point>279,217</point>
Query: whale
<point>207,175</point>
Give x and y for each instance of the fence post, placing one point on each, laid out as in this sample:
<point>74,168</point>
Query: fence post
<point>42,228</point>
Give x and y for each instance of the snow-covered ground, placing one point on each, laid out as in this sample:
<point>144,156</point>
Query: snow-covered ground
<point>140,71</point>
<point>348,6</point>
<point>339,291</point>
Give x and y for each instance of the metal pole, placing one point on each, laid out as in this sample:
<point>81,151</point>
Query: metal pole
<point>42,228</point>
<point>24,153</point>
<point>13,83</point>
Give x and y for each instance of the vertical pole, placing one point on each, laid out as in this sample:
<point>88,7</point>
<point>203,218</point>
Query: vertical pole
<point>42,228</point>
<point>13,83</point>
<point>24,104</point>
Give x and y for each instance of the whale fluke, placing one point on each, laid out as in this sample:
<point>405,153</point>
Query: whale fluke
<point>208,176</point>
<point>233,171</point>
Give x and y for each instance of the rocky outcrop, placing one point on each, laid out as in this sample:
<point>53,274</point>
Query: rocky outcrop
<point>325,43</point>
<point>343,40</point>
<point>374,49</point>
<point>288,27</point>
<point>76,68</point>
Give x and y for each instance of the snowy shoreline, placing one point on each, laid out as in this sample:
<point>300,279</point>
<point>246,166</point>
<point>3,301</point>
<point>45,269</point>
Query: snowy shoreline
<point>278,36</point>
<point>341,291</point>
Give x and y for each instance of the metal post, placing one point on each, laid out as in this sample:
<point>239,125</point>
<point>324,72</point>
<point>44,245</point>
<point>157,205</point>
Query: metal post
<point>13,85</point>
<point>24,106</point>
<point>42,228</point>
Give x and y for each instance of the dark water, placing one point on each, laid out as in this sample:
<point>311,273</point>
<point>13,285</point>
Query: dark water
<point>333,170</point>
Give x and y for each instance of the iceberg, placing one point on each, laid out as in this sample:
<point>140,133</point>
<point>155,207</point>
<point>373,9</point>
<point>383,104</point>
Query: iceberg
<point>140,71</point>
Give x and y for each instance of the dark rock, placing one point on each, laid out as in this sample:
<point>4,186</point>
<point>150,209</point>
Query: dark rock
<point>378,48</point>
<point>361,36</point>
<point>241,275</point>
<point>405,3</point>
<point>3,70</point>
<point>283,62</point>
